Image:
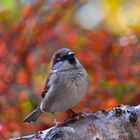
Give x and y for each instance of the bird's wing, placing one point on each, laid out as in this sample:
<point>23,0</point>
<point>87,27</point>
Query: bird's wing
<point>46,87</point>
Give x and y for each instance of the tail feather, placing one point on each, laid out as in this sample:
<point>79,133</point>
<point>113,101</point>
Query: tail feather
<point>33,116</point>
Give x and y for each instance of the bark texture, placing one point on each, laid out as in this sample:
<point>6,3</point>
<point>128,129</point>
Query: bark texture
<point>119,123</point>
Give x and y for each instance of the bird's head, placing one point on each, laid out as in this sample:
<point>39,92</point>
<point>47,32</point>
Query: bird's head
<point>64,59</point>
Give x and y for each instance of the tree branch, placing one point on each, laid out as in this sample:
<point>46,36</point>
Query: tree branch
<point>119,123</point>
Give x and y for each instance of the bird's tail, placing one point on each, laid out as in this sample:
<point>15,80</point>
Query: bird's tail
<point>33,116</point>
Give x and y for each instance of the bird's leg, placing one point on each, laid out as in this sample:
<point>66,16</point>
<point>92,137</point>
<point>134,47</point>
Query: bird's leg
<point>73,113</point>
<point>54,118</point>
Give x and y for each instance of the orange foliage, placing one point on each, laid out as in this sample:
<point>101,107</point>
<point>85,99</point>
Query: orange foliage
<point>3,50</point>
<point>27,11</point>
<point>22,76</point>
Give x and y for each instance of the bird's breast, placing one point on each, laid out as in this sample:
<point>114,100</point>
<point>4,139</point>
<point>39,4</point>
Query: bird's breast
<point>74,87</point>
<point>67,90</point>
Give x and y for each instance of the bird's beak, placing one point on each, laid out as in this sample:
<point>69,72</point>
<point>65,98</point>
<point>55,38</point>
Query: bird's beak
<point>71,55</point>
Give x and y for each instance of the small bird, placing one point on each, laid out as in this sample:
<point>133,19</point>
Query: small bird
<point>66,85</point>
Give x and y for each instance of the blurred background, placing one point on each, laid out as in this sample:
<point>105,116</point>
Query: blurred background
<point>105,34</point>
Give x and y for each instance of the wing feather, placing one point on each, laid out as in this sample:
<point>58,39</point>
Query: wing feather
<point>46,87</point>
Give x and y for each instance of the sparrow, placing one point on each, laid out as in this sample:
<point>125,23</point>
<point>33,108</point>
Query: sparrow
<point>65,86</point>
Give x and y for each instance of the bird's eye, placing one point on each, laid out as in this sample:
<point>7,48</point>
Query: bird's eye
<point>60,58</point>
<point>64,57</point>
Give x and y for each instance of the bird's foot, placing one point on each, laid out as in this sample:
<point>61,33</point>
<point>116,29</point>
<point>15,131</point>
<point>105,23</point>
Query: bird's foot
<point>74,114</point>
<point>55,120</point>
